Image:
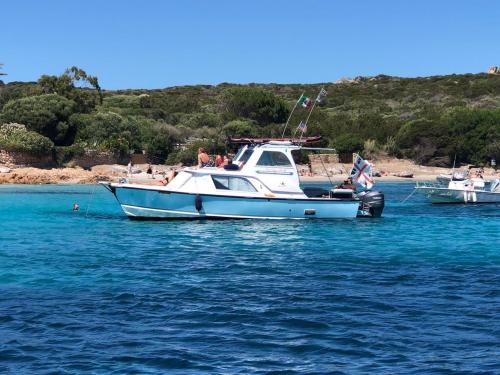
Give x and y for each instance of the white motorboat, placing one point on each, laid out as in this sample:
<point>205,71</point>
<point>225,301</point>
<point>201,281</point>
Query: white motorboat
<point>262,183</point>
<point>454,176</point>
<point>474,190</point>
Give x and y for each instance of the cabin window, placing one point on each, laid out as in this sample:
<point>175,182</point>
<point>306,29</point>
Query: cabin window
<point>274,159</point>
<point>232,183</point>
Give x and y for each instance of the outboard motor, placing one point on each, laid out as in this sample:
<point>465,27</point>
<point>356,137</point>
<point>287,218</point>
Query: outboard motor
<point>371,204</point>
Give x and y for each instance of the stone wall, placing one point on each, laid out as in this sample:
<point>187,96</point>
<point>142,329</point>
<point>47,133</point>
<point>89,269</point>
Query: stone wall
<point>322,164</point>
<point>326,158</point>
<point>16,159</point>
<point>92,158</point>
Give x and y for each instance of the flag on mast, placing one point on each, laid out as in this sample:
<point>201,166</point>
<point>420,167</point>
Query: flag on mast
<point>302,127</point>
<point>362,172</point>
<point>305,101</point>
<point>322,93</point>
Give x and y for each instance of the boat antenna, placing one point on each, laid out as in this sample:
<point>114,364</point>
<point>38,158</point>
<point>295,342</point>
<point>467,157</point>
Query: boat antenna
<point>453,169</point>
<point>291,113</point>
<point>327,175</point>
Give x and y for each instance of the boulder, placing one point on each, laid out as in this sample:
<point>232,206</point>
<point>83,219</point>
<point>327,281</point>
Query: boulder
<point>404,174</point>
<point>494,70</point>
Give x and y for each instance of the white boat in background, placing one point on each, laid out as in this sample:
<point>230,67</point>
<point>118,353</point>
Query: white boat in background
<point>474,190</point>
<point>454,176</point>
<point>263,183</point>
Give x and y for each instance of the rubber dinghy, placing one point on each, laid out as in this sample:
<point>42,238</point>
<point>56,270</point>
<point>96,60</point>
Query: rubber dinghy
<point>262,183</point>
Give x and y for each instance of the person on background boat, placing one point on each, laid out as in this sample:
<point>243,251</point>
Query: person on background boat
<point>480,172</point>
<point>347,184</point>
<point>203,158</point>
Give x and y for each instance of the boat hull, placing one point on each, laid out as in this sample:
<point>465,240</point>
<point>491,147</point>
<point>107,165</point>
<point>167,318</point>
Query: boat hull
<point>444,195</point>
<point>140,203</point>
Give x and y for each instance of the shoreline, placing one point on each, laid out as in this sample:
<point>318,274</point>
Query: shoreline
<point>113,173</point>
<point>75,176</point>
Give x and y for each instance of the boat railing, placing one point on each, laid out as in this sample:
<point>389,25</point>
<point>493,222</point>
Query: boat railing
<point>430,184</point>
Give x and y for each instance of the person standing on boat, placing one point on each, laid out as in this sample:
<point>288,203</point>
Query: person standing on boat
<point>203,158</point>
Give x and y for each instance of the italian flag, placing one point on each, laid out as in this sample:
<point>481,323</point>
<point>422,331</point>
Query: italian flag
<point>305,101</point>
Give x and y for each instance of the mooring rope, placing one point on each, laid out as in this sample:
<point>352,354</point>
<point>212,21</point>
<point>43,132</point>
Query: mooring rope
<point>90,200</point>
<point>408,197</point>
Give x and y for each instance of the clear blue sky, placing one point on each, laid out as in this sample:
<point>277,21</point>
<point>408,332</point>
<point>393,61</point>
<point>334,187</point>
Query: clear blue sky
<point>155,44</point>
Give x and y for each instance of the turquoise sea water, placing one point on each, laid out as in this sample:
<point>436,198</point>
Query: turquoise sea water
<point>417,291</point>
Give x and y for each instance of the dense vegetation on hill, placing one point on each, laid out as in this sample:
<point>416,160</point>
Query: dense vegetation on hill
<point>429,119</point>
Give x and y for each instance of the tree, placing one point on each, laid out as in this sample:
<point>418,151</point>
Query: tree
<point>106,131</point>
<point>76,74</point>
<point>65,85</point>
<point>2,74</point>
<point>476,130</point>
<point>46,114</point>
<point>159,140</point>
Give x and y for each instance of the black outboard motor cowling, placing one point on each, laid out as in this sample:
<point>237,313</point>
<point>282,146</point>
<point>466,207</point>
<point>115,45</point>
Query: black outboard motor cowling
<point>371,204</point>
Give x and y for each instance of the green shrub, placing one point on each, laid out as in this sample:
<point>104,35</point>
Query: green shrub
<point>239,128</point>
<point>159,141</point>
<point>262,106</point>
<point>391,147</point>
<point>46,114</point>
<point>346,144</point>
<point>64,154</point>
<point>15,137</point>
<point>107,131</point>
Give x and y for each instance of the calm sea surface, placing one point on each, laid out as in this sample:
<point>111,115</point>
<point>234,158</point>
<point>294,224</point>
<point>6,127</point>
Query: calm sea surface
<point>417,291</point>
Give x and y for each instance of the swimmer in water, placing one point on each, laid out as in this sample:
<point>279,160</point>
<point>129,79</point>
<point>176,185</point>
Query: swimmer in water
<point>76,206</point>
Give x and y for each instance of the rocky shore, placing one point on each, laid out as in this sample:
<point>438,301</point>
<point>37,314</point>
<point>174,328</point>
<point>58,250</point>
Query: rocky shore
<point>385,170</point>
<point>36,176</point>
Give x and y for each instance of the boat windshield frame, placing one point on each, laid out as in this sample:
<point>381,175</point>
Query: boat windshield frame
<point>241,152</point>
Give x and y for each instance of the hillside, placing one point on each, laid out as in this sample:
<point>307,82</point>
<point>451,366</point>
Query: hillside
<point>427,119</point>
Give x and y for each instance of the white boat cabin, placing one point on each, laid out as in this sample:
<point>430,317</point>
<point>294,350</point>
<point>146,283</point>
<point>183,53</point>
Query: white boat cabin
<point>259,170</point>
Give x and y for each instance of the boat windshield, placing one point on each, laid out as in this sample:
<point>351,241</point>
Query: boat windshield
<point>243,158</point>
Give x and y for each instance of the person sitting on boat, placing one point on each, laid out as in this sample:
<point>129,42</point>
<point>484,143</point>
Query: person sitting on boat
<point>219,161</point>
<point>169,177</point>
<point>230,166</point>
<point>203,158</point>
<point>347,184</point>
